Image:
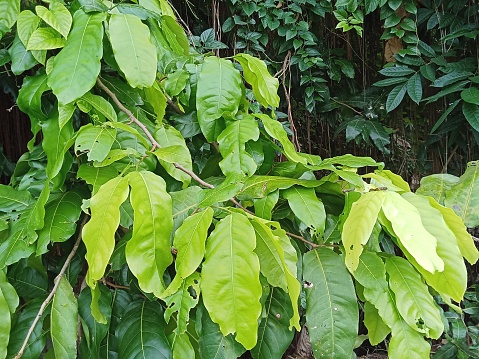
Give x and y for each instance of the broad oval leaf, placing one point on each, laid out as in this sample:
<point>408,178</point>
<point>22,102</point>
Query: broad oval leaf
<point>141,332</point>
<point>77,65</point>
<point>331,307</point>
<point>96,141</point>
<point>407,343</point>
<point>9,10</point>
<point>148,252</point>
<point>45,38</point>
<point>134,52</point>
<point>395,97</point>
<point>471,95</point>
<point>58,17</point>
<point>219,92</point>
<point>99,233</point>
<point>27,23</point>
<point>101,105</point>
<point>407,226</point>
<point>22,60</point>
<point>64,321</point>
<point>230,279</point>
<point>471,113</point>
<point>359,225</point>
<point>416,305</point>
<point>414,88</point>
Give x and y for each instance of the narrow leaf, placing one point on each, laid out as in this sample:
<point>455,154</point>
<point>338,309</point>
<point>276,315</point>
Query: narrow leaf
<point>395,97</point>
<point>414,88</point>
<point>377,329</point>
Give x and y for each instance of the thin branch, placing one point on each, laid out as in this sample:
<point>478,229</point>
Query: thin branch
<point>52,293</point>
<point>350,107</point>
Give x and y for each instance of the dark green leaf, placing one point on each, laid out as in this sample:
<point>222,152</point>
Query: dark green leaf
<point>395,97</point>
<point>471,95</point>
<point>471,113</point>
<point>414,88</point>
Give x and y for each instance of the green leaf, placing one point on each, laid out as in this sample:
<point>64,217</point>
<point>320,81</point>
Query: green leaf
<point>276,130</point>
<point>5,324</point>
<point>22,60</point>
<point>65,113</point>
<point>176,82</point>
<point>331,311</point>
<point>96,141</point>
<point>451,78</point>
<point>396,71</point>
<point>27,23</point>
<point>101,105</point>
<point>456,225</point>
<point>61,216</point>
<point>134,52</point>
<point>230,279</point>
<point>463,197</point>
<point>45,38</point>
<point>359,225</point>
<point>263,207</point>
<point>9,10</point>
<point>141,332</point>
<point>221,193</point>
<point>218,95</point>
<point>407,343</point>
<point>15,247</point>
<point>99,233</point>
<point>395,97</point>
<point>9,293</point>
<point>265,86</point>
<point>436,185</point>
<point>390,81</point>
<point>96,176</point>
<point>416,305</point>
<point>148,252</point>
<point>407,226</point>
<point>377,329</point>
<point>64,321</point>
<point>471,95</point>
<point>414,88</point>
<point>306,207</point>
<point>170,138</point>
<point>77,65</point>
<point>57,17</point>
<point>12,199</point>
<point>471,113</point>
<point>278,263</point>
<point>231,142</point>
<point>30,95</point>
<point>273,329</point>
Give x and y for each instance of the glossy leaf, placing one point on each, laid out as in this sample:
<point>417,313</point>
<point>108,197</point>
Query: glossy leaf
<point>231,142</point>
<point>148,252</point>
<point>45,38</point>
<point>471,113</point>
<point>265,86</point>
<point>12,199</point>
<point>218,95</point>
<point>133,49</point>
<point>30,95</point>
<point>416,305</point>
<point>9,293</point>
<point>359,225</point>
<point>96,176</point>
<point>230,279</point>
<point>95,141</point>
<point>471,95</point>
<point>5,324</point>
<point>58,17</point>
<point>406,223</point>
<point>27,23</point>
<point>414,88</point>
<point>9,10</point>
<point>306,207</point>
<point>331,312</point>
<point>260,186</point>
<point>141,332</point>
<point>64,321</point>
<point>99,233</point>
<point>395,97</point>
<point>77,65</point>
<point>263,207</point>
<point>101,105</point>
<point>22,60</point>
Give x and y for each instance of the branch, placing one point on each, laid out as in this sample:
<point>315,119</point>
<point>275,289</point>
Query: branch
<point>52,293</point>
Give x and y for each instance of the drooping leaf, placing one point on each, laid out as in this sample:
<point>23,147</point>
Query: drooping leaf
<point>377,329</point>
<point>45,38</point>
<point>231,142</point>
<point>64,321</point>
<point>96,141</point>
<point>173,32</point>
<point>263,207</point>
<point>395,97</point>
<point>36,215</point>
<point>471,113</point>
<point>307,207</point>
<point>141,332</point>
<point>148,252</point>
<point>359,225</point>
<point>416,305</point>
<point>436,186</point>
<point>414,88</point>
<point>406,224</point>
<point>101,105</point>
<point>218,95</point>
<point>22,60</point>
<point>99,233</point>
<point>77,65</point>
<point>230,279</point>
<point>265,86</point>
<point>134,52</point>
<point>331,312</point>
<point>463,197</point>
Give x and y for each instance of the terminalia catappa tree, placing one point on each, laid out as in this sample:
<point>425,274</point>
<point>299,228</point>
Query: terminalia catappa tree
<point>151,216</point>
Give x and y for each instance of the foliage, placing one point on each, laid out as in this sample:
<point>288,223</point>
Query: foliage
<point>154,205</point>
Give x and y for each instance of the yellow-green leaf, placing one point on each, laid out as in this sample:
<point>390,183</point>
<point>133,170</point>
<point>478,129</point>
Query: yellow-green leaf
<point>58,17</point>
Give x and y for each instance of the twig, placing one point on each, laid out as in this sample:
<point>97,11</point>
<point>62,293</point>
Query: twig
<point>52,293</point>
<point>117,286</point>
<point>350,107</point>
<point>287,92</point>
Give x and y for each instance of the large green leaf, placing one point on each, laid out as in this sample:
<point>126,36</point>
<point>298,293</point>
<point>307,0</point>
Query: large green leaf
<point>15,247</point>
<point>96,176</point>
<point>101,105</point>
<point>58,17</point>
<point>184,203</point>
<point>407,343</point>
<point>30,95</point>
<point>45,38</point>
<point>27,23</point>
<point>77,65</point>
<point>414,88</point>
<point>377,329</point>
<point>61,216</point>
<point>99,233</point>
<point>96,141</point>
<point>9,293</point>
<point>5,324</point>
<point>416,305</point>
<point>230,279</point>
<point>471,113</point>
<point>278,263</point>
<point>406,224</point>
<point>359,225</point>
<point>9,10</point>
<point>141,332</point>
<point>265,86</point>
<point>12,199</point>
<point>275,337</point>
<point>219,92</point>
<point>463,196</point>
<point>331,307</point>
<point>456,225</point>
<point>36,215</point>
<point>133,49</point>
<point>22,60</point>
<point>471,95</point>
<point>148,252</point>
<point>64,321</point>
<point>263,207</point>
<point>436,185</point>
<point>231,142</point>
<point>307,207</point>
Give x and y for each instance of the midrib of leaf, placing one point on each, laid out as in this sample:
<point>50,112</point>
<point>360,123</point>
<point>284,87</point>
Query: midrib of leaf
<point>141,330</point>
<point>134,47</point>
<point>220,86</point>
<point>329,301</point>
<point>268,309</point>
<point>15,200</point>
<point>79,51</point>
<point>370,272</point>
<point>189,242</point>
<point>232,268</point>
